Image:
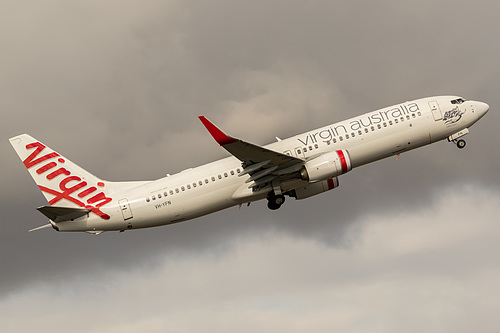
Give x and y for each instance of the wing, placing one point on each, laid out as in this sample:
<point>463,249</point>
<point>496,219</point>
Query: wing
<point>263,165</point>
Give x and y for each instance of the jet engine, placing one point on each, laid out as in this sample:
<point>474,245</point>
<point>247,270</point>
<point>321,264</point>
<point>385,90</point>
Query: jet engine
<point>326,166</point>
<point>315,188</point>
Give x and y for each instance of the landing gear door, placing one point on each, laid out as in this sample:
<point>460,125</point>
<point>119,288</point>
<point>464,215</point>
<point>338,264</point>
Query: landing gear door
<point>436,111</point>
<point>125,208</point>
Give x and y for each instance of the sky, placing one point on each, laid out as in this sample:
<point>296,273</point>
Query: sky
<point>402,245</point>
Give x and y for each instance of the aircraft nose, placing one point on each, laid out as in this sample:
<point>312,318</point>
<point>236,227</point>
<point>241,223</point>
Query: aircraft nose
<point>482,108</point>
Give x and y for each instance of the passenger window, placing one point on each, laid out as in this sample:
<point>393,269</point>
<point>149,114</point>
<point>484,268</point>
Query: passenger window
<point>334,140</point>
<point>390,122</point>
<point>171,192</point>
<point>159,195</point>
<point>177,190</point>
<point>188,186</point>
<point>305,150</point>
<point>366,130</point>
<point>373,128</point>
<point>316,146</point>
<point>213,178</point>
<point>402,119</point>
<point>396,121</point>
<point>194,185</point>
<point>219,176</point>
<point>419,113</point>
<point>165,193</point>
<point>238,170</point>
<point>225,174</point>
<point>385,124</point>
<point>413,115</point>
<point>147,199</point>
<point>378,126</point>
<point>201,183</point>
<point>232,172</point>
<point>206,181</point>
<point>183,188</point>
<point>408,117</point>
<point>359,132</point>
<point>347,136</point>
<point>353,135</point>
<point>341,138</point>
<point>154,198</point>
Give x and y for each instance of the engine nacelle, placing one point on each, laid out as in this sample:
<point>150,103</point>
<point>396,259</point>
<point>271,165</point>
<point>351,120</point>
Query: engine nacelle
<point>315,188</point>
<point>326,166</point>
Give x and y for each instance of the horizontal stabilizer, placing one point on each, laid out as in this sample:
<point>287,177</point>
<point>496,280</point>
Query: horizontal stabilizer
<point>41,227</point>
<point>59,214</point>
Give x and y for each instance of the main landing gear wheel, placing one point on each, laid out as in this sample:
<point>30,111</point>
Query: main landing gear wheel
<point>461,144</point>
<point>272,206</point>
<point>275,201</point>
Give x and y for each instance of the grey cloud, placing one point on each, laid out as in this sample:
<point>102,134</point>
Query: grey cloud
<point>425,270</point>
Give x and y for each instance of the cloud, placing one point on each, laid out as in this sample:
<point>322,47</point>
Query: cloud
<point>427,270</point>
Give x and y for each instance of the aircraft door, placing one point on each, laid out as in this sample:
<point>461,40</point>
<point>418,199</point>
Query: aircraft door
<point>436,111</point>
<point>125,208</point>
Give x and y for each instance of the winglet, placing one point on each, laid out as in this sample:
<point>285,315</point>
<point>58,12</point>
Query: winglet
<point>216,133</point>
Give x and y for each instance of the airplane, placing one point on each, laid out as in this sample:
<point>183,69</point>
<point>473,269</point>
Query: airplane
<point>299,167</point>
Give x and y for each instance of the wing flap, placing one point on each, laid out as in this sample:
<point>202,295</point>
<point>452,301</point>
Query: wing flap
<point>261,174</point>
<point>254,167</point>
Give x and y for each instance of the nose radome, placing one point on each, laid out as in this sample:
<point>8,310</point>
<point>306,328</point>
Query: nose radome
<point>482,108</point>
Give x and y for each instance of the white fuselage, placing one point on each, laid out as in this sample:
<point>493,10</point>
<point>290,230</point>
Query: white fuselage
<point>217,185</point>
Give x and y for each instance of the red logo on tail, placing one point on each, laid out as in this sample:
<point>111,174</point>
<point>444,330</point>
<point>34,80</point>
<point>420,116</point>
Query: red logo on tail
<point>68,185</point>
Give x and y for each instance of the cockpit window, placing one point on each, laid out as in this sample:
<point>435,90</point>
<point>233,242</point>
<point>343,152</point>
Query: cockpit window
<point>458,101</point>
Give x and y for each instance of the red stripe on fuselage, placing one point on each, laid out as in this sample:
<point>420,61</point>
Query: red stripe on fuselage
<point>331,184</point>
